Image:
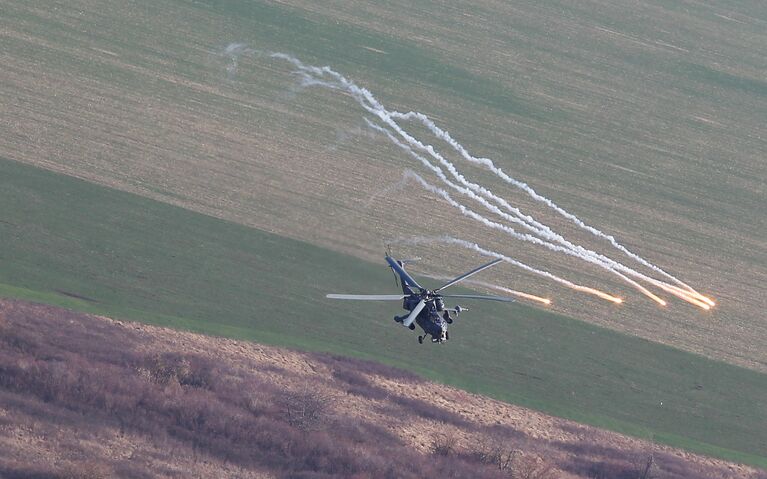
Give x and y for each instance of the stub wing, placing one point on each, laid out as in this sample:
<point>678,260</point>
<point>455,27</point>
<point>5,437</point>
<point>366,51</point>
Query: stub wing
<point>414,313</point>
<point>367,297</point>
<point>504,299</point>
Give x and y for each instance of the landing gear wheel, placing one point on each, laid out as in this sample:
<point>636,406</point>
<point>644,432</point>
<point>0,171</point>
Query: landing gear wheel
<point>412,327</point>
<point>420,339</point>
<point>447,336</point>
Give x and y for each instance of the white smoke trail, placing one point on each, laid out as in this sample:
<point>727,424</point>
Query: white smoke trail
<point>474,189</point>
<point>328,78</point>
<point>567,247</point>
<point>526,237</point>
<point>488,164</point>
<point>420,240</point>
<point>485,284</point>
<point>234,51</point>
<point>373,106</point>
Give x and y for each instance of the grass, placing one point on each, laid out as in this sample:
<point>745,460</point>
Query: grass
<point>70,243</point>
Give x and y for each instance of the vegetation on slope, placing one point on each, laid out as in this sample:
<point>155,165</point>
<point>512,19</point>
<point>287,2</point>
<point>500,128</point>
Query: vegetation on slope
<point>113,400</point>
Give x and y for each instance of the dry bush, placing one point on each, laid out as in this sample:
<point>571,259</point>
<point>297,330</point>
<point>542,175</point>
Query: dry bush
<point>497,453</point>
<point>444,444</point>
<point>603,470</point>
<point>85,470</point>
<point>176,368</point>
<point>645,467</point>
<point>670,466</point>
<point>532,467</point>
<point>307,409</point>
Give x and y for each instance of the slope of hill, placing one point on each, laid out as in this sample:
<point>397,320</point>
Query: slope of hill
<point>87,396</point>
<point>71,243</point>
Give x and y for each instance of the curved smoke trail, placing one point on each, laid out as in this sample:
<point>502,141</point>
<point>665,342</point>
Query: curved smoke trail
<point>488,164</point>
<point>328,78</point>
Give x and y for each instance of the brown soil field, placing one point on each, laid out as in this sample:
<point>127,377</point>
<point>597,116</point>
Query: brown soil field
<point>646,121</point>
<point>44,433</point>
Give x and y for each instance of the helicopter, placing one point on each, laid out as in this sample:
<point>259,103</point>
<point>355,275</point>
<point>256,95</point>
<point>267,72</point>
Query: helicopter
<point>425,307</point>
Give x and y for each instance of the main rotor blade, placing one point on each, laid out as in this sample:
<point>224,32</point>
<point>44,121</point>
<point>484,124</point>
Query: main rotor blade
<point>505,299</point>
<point>470,273</point>
<point>413,314</point>
<point>368,297</point>
<point>406,278</point>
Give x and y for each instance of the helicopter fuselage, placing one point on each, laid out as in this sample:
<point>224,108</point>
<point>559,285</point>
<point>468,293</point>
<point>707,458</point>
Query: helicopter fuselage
<point>431,319</point>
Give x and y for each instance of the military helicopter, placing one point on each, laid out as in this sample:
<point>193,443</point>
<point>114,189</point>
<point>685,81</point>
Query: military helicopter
<point>425,307</point>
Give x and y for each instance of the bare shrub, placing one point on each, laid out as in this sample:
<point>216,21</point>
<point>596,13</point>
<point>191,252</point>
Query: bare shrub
<point>671,466</point>
<point>495,452</point>
<point>25,471</point>
<point>532,467</point>
<point>444,445</point>
<point>85,470</point>
<point>307,409</point>
<point>645,467</point>
<point>173,367</point>
<point>19,341</point>
<point>604,470</point>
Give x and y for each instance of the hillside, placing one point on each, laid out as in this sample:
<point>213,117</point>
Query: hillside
<point>78,245</point>
<point>87,396</point>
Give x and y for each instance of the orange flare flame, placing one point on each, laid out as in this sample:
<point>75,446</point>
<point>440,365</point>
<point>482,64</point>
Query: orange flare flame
<point>533,297</point>
<point>692,298</point>
<point>596,292</point>
<point>520,294</point>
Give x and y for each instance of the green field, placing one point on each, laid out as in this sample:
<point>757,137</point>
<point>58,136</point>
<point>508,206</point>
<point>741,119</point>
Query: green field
<point>71,243</point>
